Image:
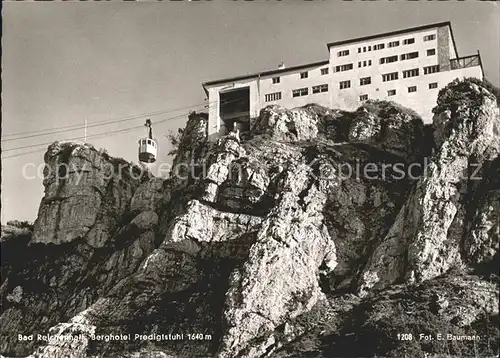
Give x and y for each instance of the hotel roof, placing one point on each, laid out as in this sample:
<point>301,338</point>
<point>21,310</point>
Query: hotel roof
<point>343,42</point>
<point>265,73</point>
<point>391,33</point>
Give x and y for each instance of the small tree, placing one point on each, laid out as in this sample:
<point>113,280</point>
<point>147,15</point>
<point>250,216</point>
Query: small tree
<point>493,89</point>
<point>175,140</point>
<point>20,224</point>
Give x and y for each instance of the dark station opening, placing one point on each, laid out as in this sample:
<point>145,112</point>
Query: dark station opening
<point>235,110</point>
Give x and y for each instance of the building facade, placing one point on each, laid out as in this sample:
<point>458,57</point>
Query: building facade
<point>406,66</point>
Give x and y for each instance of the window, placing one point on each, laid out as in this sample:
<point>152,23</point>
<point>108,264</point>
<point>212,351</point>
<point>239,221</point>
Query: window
<point>364,48</point>
<point>391,92</point>
<point>390,76</point>
<point>341,68</point>
<point>273,96</point>
<point>412,89</point>
<point>320,88</point>
<point>379,47</point>
<point>431,52</point>
<point>324,71</point>
<point>431,69</point>
<point>343,53</point>
<point>369,48</point>
<point>303,75</point>
<point>433,85</point>
<point>300,92</point>
<point>365,63</point>
<point>365,81</point>
<point>276,80</point>
<point>388,59</point>
<point>409,56</point>
<point>345,84</point>
<point>393,44</point>
<point>410,73</point>
<point>409,41</point>
<point>363,97</point>
<point>429,37</point>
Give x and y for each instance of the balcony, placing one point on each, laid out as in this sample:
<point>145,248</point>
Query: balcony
<point>464,62</point>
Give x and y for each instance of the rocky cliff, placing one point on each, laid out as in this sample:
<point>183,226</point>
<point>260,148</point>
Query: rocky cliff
<point>323,233</point>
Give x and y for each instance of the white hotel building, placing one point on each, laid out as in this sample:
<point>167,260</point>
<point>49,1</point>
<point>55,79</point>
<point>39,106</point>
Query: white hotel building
<point>407,66</point>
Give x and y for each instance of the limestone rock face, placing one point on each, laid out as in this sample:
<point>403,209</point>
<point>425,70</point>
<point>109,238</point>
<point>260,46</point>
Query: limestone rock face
<point>84,241</point>
<point>86,194</point>
<point>449,316</point>
<point>390,128</point>
<point>227,149</point>
<point>147,196</point>
<point>482,242</point>
<point>279,279</point>
<point>427,237</point>
<point>283,124</point>
<point>306,236</point>
<point>204,224</point>
<point>193,149</point>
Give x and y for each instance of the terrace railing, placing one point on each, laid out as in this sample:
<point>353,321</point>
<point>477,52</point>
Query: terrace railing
<point>464,62</point>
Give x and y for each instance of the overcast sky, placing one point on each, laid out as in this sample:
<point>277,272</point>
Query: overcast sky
<point>66,61</point>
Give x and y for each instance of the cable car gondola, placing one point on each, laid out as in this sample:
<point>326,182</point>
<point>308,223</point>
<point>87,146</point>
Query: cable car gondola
<point>148,146</point>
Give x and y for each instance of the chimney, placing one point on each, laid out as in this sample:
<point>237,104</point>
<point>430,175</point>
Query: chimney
<point>281,66</point>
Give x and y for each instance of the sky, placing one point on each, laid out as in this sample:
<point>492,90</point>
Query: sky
<point>67,62</point>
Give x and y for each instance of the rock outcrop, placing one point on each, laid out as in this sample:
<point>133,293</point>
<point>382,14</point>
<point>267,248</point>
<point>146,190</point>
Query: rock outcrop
<point>321,233</point>
<point>431,233</point>
<point>85,240</point>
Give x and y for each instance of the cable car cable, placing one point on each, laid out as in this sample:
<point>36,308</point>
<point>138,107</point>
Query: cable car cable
<point>79,126</point>
<point>81,137</point>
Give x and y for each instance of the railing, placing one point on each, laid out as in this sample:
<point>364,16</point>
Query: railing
<point>464,62</point>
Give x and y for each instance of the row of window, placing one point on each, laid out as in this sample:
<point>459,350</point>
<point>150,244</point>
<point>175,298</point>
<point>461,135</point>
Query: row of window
<point>365,63</point>
<point>300,92</point>
<point>343,85</point>
<point>393,44</point>
<point>388,59</point>
<point>305,74</point>
<point>405,56</point>
<point>389,76</point>
<point>320,88</point>
<point>392,76</point>
<point>273,96</point>
<point>383,60</point>
<point>431,69</point>
<point>392,92</point>
<point>410,73</point>
<point>386,77</point>
<point>349,66</point>
<point>305,91</point>
<point>408,56</point>
<point>341,68</point>
<point>362,82</point>
<point>369,48</point>
<point>381,46</point>
<point>276,96</point>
